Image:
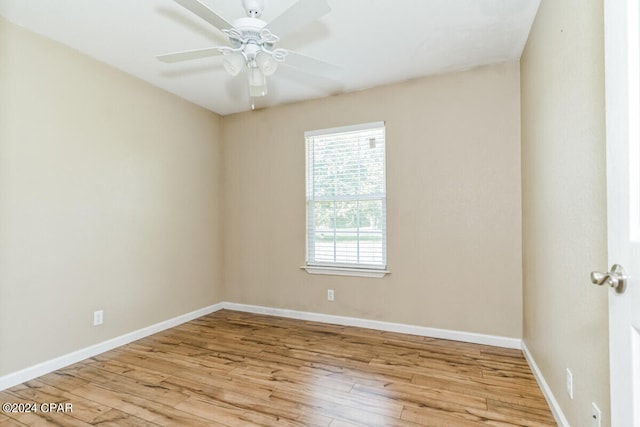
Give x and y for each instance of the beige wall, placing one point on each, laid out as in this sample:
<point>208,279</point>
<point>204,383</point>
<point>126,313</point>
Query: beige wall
<point>564,203</point>
<point>454,222</point>
<point>109,199</point>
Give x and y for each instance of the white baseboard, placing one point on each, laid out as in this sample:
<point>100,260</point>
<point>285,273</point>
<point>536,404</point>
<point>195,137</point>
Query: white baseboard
<point>35,371</point>
<point>446,334</point>
<point>546,390</point>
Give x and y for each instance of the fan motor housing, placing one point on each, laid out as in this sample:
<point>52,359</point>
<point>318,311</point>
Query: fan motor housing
<point>249,25</point>
<point>250,29</point>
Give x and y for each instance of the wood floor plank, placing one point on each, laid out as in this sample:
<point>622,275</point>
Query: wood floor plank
<point>340,423</point>
<point>525,413</point>
<point>345,411</point>
<point>485,388</point>
<point>86,410</point>
<point>8,422</point>
<point>140,407</point>
<point>454,403</point>
<point>292,412</point>
<point>241,369</point>
<point>432,417</point>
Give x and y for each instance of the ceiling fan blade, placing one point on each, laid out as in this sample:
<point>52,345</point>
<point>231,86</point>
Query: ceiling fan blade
<point>189,54</point>
<point>313,65</point>
<point>205,13</point>
<point>297,16</point>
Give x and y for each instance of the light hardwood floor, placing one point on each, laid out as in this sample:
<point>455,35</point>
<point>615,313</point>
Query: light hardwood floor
<point>240,369</point>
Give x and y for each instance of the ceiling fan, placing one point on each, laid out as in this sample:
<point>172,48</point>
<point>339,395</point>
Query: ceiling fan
<point>252,41</point>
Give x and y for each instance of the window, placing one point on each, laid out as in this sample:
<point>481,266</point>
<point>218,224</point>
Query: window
<point>346,200</point>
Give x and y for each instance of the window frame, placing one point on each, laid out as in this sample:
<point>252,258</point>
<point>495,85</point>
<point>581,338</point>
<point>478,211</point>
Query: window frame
<point>337,268</point>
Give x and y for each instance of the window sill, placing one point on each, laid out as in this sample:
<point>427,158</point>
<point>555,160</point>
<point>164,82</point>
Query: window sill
<point>342,271</point>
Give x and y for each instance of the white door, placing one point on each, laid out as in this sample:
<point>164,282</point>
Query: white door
<point>622,70</point>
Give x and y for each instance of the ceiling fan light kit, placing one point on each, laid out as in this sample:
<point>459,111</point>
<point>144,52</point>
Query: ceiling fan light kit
<point>252,41</point>
<point>253,49</point>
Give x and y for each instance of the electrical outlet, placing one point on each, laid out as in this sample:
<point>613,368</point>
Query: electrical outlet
<point>330,295</point>
<point>596,415</point>
<point>569,383</point>
<point>98,317</point>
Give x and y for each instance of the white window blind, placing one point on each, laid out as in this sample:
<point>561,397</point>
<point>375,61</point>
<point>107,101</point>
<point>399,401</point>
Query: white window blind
<point>346,197</point>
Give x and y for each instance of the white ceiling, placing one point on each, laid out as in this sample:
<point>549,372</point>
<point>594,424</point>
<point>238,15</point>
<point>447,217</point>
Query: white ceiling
<point>375,42</point>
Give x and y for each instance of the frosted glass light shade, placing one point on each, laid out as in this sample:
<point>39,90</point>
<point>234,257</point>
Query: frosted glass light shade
<point>266,63</point>
<point>234,63</point>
